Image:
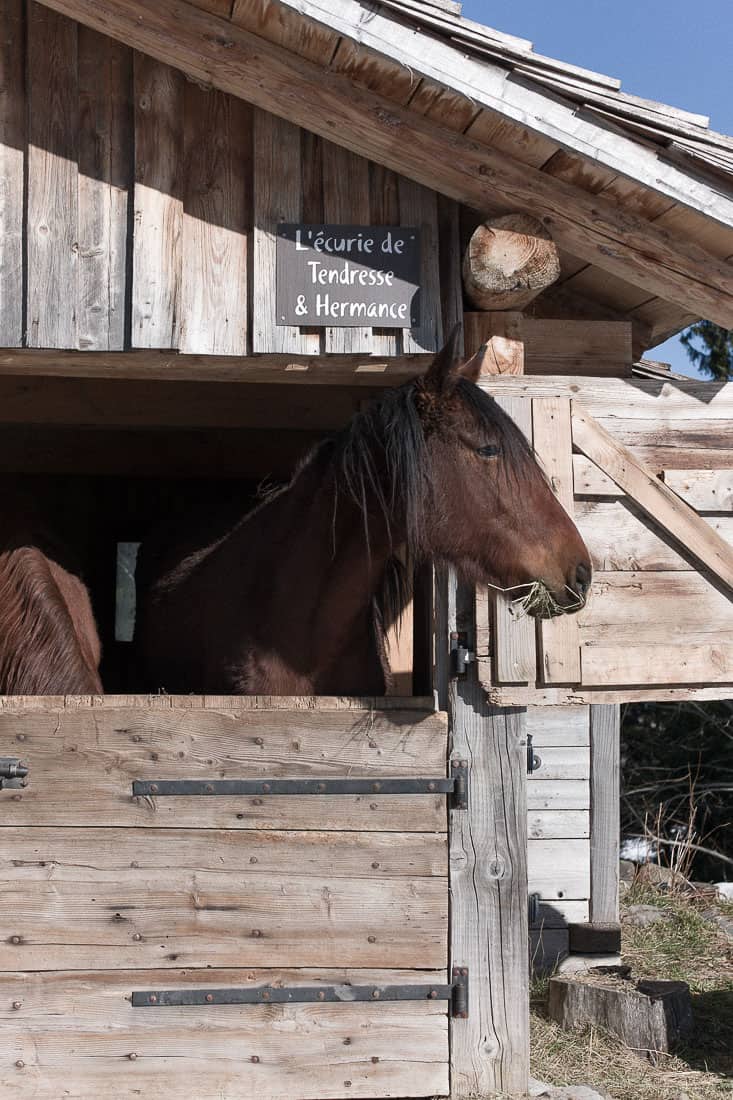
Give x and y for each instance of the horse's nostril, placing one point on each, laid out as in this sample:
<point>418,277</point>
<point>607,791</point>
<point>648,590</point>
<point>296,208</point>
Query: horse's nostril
<point>582,578</point>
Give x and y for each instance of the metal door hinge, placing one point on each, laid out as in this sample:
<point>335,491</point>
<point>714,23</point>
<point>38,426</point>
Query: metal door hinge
<point>534,909</point>
<point>13,773</point>
<point>460,653</point>
<point>456,994</point>
<point>455,786</point>
<point>534,762</point>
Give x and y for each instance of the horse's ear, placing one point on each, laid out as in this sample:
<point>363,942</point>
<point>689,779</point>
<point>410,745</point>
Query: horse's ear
<point>443,368</point>
<point>473,367</point>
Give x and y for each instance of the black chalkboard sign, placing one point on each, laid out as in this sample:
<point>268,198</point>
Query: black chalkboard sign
<point>348,276</point>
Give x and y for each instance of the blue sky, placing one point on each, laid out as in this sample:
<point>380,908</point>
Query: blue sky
<point>668,50</point>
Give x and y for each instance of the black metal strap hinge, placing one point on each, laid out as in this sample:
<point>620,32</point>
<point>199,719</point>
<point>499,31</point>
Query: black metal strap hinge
<point>13,773</point>
<point>456,994</point>
<point>455,786</point>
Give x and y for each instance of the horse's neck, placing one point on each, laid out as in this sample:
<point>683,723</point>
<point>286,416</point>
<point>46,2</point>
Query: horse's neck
<point>330,565</point>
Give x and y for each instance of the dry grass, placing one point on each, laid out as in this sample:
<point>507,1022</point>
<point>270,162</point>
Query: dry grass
<point>684,947</point>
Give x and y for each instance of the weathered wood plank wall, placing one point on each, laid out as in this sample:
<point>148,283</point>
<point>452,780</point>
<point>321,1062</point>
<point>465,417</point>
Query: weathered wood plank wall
<point>138,209</point>
<point>152,892</point>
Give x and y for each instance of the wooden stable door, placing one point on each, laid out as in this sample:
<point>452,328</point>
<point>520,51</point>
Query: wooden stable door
<point>116,903</point>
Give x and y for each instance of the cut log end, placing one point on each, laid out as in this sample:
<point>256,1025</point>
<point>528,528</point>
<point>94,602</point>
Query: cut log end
<point>508,262</point>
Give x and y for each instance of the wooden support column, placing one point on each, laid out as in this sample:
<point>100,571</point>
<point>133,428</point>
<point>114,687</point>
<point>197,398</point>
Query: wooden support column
<point>605,763</point>
<point>503,333</point>
<point>488,882</point>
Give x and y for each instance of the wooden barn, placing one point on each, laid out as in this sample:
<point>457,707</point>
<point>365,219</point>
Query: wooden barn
<point>353,914</point>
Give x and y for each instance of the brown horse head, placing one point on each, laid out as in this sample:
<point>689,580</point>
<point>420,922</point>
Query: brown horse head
<point>492,512</point>
<point>457,481</point>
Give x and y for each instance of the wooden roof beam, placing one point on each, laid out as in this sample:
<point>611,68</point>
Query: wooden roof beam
<point>214,51</point>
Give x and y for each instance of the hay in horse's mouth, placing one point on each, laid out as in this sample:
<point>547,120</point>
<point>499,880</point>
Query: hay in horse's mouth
<point>538,601</point>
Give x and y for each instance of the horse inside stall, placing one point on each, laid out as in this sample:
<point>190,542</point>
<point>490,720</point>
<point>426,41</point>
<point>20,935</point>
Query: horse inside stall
<point>49,643</point>
<point>296,596</point>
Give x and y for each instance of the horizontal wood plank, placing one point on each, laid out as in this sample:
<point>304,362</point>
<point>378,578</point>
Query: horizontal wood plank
<point>111,746</point>
<point>619,536</point>
<point>557,824</point>
<point>561,763</point>
<point>704,490</point>
<point>80,1028</point>
<point>640,608</point>
<point>557,794</point>
<point>559,868</point>
<point>687,663</point>
<point>590,481</point>
<point>117,898</point>
<point>549,726</point>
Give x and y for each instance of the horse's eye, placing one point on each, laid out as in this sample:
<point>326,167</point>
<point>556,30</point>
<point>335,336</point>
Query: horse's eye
<point>489,451</point>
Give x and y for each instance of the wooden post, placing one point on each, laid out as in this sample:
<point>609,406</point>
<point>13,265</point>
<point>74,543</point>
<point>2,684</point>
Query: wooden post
<point>605,758</point>
<point>488,882</point>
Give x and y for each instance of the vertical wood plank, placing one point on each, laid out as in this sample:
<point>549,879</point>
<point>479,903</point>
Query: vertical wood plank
<point>105,158</point>
<point>277,198</point>
<point>345,202</point>
<point>488,881</point>
<point>553,444</point>
<point>216,206</point>
<point>419,210</point>
<point>400,646</point>
<point>605,768</point>
<point>515,634</point>
<point>52,179</point>
<point>12,160</point>
<point>384,210</point>
<point>449,251</point>
<point>157,253</point>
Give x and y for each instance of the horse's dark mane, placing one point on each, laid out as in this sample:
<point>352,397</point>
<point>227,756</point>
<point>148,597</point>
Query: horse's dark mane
<point>381,455</point>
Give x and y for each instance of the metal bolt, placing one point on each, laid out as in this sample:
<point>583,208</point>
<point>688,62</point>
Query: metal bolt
<point>153,788</point>
<point>259,740</point>
<point>20,1064</point>
<point>266,788</point>
<point>431,786</point>
<point>374,1059</point>
<point>21,737</point>
<point>321,786</point>
<point>433,994</point>
<point>256,932</point>
<point>371,939</point>
<point>373,806</point>
<point>132,1056</point>
<point>209,998</point>
<point>15,939</point>
<point>375,994</point>
<point>154,756</point>
<point>256,801</point>
<point>253,859</point>
<point>136,738</point>
<point>456,971</point>
<point>464,972</point>
<point>347,1084</point>
<point>464,763</point>
<point>375,865</point>
<point>347,1041</point>
<point>153,999</point>
<point>17,1005</point>
<point>240,817</point>
<point>255,1058</point>
<point>265,996</point>
<point>209,788</point>
<point>321,995</point>
<point>372,744</point>
<point>376,786</point>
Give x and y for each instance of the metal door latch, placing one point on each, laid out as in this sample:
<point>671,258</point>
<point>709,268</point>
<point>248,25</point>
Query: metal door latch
<point>534,762</point>
<point>460,655</point>
<point>13,773</point>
